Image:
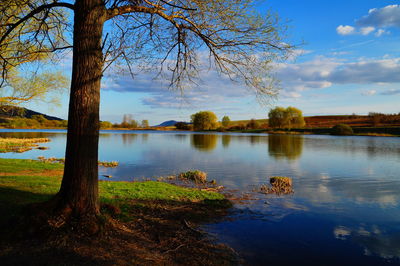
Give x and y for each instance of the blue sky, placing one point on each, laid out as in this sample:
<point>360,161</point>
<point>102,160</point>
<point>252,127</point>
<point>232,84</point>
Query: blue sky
<point>348,62</point>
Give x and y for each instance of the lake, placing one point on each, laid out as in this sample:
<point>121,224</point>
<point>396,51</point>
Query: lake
<point>346,205</point>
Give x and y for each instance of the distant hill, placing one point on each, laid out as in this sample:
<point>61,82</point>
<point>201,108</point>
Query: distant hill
<point>14,111</point>
<point>168,123</point>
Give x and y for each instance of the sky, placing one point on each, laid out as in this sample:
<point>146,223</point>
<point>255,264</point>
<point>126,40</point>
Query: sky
<point>347,60</point>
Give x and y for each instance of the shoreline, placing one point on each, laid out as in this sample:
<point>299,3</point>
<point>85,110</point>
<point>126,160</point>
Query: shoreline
<point>359,131</point>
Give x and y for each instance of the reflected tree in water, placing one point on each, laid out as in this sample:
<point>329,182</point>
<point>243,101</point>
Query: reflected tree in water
<point>145,137</point>
<point>226,140</point>
<point>128,138</point>
<point>22,135</point>
<point>204,142</point>
<point>180,137</point>
<point>285,146</point>
<point>256,140</point>
<point>105,135</point>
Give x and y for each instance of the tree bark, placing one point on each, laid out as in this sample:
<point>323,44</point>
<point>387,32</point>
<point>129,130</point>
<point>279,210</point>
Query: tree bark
<point>79,188</point>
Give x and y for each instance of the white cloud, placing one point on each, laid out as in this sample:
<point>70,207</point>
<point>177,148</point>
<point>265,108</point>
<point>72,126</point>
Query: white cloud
<point>381,32</point>
<point>377,20</point>
<point>289,94</point>
<point>211,90</point>
<point>366,30</point>
<point>391,92</point>
<point>350,30</point>
<point>324,72</point>
<point>388,16</point>
<point>297,53</point>
<point>369,93</point>
<point>345,30</point>
<point>318,73</point>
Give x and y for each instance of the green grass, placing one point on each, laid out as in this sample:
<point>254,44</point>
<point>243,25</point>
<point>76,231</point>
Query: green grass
<point>152,190</point>
<point>18,165</point>
<point>26,181</point>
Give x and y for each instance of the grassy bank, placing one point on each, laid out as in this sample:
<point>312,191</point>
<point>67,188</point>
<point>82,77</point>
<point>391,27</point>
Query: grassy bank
<point>41,180</point>
<point>158,221</point>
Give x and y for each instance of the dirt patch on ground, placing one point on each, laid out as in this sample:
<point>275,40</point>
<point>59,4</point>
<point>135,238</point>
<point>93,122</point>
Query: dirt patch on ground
<point>158,232</point>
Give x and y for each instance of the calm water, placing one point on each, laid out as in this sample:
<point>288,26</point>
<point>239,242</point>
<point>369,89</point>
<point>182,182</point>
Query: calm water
<point>346,205</point>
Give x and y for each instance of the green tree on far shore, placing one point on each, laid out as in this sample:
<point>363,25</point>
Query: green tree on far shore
<point>226,121</point>
<point>105,124</point>
<point>129,122</point>
<point>294,117</point>
<point>289,117</point>
<point>145,123</point>
<point>253,124</point>
<point>204,120</point>
<point>277,117</point>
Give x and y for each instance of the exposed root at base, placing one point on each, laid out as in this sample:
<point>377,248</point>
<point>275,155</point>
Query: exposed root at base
<point>157,233</point>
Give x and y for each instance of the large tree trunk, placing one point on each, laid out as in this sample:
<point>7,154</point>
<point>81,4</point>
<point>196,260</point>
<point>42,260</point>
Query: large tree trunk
<point>79,188</point>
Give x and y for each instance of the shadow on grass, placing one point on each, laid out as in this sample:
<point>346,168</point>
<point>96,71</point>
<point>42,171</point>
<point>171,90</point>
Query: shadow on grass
<point>13,204</point>
<point>13,201</point>
<point>49,256</point>
<point>161,232</point>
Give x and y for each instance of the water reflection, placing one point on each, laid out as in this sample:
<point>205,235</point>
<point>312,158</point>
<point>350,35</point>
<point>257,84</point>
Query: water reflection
<point>128,139</point>
<point>181,137</point>
<point>28,135</point>
<point>374,240</point>
<point>204,142</point>
<point>145,137</point>
<point>226,140</point>
<point>372,146</point>
<point>256,140</point>
<point>285,146</point>
<point>346,204</point>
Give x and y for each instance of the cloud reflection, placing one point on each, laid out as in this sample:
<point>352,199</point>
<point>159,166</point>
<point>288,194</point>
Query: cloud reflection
<point>375,241</point>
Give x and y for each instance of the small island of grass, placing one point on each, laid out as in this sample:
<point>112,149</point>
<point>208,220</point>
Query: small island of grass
<point>20,145</point>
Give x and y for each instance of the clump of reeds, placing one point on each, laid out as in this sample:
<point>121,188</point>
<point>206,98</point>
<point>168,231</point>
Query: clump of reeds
<point>20,144</point>
<point>108,164</point>
<point>194,175</point>
<point>279,185</point>
<point>51,159</point>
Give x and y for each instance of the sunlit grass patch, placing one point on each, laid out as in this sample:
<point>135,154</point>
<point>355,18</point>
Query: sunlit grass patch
<point>21,187</point>
<point>8,166</point>
<point>153,190</point>
<point>62,160</point>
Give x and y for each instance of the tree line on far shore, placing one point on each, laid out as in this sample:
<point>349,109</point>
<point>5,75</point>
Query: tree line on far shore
<point>40,121</point>
<point>278,117</point>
